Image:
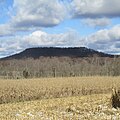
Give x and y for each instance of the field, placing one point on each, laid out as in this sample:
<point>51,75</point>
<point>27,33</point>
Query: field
<point>77,98</point>
<point>90,107</point>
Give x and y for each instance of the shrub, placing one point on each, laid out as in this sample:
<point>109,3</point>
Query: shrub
<point>25,74</point>
<point>115,98</point>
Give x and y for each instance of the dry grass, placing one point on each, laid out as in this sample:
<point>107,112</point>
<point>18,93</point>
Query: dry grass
<point>95,105</point>
<point>33,89</point>
<point>90,107</point>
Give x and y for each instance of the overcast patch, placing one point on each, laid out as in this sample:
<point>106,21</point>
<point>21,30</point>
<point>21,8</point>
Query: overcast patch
<point>117,45</point>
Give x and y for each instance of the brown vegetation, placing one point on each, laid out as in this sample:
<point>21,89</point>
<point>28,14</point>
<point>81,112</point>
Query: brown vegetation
<point>32,89</point>
<point>90,107</point>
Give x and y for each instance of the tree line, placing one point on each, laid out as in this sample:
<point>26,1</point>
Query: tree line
<point>59,67</point>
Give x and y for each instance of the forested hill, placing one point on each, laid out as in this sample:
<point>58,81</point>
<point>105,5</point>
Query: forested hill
<point>35,53</point>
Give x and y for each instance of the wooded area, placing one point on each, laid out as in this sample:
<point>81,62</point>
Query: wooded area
<point>59,67</point>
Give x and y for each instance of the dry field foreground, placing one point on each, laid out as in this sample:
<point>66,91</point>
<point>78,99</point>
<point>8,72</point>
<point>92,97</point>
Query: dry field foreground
<point>46,88</point>
<point>90,107</point>
<point>95,105</point>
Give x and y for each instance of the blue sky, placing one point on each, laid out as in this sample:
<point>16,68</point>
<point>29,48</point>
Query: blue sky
<point>63,23</point>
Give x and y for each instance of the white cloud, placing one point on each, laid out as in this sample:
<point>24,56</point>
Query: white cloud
<point>98,22</point>
<point>38,13</point>
<point>5,29</point>
<point>96,8</point>
<point>32,15</point>
<point>38,39</point>
<point>27,15</point>
<point>9,45</point>
<point>105,40</point>
<point>2,49</point>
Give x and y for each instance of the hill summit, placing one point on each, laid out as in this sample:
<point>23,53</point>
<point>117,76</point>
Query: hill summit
<point>35,53</point>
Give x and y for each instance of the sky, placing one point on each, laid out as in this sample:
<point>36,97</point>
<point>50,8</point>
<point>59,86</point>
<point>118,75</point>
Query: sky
<point>93,24</point>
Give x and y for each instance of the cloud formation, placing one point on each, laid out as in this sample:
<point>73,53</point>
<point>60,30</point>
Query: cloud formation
<point>49,13</point>
<point>98,22</point>
<point>43,13</point>
<point>6,29</point>
<point>106,40</point>
<point>38,39</point>
<point>26,16</point>
<point>96,8</point>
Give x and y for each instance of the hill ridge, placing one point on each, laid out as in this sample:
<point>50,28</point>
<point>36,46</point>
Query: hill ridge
<point>37,52</point>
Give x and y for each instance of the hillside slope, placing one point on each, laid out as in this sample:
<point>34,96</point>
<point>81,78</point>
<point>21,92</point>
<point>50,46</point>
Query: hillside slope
<point>35,53</point>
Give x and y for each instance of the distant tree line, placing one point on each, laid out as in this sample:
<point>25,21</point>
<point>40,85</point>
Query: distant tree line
<point>59,67</point>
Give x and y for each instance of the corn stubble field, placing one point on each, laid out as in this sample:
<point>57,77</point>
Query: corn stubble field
<point>75,98</point>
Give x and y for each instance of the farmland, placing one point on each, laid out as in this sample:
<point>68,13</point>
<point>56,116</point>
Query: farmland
<point>58,98</point>
<point>33,89</point>
<point>90,107</point>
